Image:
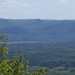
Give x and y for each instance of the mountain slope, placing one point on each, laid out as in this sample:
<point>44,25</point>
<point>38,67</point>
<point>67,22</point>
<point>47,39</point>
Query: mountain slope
<point>39,30</point>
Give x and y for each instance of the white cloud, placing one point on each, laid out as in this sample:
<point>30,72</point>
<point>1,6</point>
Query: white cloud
<point>7,1</point>
<point>13,3</point>
<point>18,9</point>
<point>61,1</point>
<point>13,8</point>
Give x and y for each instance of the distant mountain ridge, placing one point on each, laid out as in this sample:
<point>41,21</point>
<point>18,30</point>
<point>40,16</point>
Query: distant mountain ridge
<point>39,30</point>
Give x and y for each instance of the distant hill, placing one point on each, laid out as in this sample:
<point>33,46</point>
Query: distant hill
<point>39,30</point>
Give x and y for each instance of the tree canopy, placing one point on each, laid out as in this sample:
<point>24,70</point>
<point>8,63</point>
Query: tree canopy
<point>15,66</point>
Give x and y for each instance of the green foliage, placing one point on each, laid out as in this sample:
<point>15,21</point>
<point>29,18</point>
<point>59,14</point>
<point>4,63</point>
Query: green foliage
<point>3,45</point>
<point>14,66</point>
<point>5,69</point>
<point>43,70</point>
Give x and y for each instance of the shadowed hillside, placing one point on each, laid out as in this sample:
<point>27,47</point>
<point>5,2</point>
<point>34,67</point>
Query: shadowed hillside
<point>39,30</point>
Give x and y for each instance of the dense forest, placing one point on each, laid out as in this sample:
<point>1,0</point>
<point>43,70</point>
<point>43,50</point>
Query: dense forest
<point>36,58</point>
<point>59,58</point>
<point>16,65</point>
<point>51,54</point>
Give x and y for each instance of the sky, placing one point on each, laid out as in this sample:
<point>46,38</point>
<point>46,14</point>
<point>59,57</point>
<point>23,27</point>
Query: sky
<point>37,9</point>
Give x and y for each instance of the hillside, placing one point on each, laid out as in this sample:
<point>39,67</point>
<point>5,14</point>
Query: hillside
<point>39,30</point>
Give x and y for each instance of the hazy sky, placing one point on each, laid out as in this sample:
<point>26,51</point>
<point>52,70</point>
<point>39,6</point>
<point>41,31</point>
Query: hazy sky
<point>43,9</point>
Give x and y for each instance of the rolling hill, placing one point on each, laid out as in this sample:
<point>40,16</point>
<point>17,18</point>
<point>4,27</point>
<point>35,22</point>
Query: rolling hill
<point>39,30</point>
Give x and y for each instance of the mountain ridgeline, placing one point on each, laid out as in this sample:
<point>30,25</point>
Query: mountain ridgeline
<point>39,30</point>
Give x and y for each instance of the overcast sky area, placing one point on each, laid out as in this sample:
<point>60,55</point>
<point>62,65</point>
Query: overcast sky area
<point>37,9</point>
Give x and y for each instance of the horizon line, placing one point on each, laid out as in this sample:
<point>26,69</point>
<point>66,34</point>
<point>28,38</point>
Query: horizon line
<point>33,19</point>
